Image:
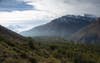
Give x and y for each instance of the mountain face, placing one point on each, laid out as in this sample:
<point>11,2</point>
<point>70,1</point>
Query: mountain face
<point>61,27</point>
<point>9,35</point>
<point>89,34</point>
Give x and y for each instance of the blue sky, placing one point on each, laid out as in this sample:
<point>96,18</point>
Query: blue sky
<point>13,5</point>
<point>39,12</point>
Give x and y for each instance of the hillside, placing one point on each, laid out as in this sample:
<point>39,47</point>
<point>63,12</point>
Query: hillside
<point>10,35</point>
<point>13,49</point>
<point>60,27</point>
<point>89,34</point>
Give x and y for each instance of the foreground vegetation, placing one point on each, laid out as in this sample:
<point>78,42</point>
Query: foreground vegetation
<point>37,51</point>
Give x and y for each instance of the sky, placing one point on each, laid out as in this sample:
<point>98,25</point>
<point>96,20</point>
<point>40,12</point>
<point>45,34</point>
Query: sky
<point>25,14</point>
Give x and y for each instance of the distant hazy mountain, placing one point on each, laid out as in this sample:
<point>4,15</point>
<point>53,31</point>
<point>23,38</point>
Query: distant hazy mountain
<point>61,27</point>
<point>19,27</point>
<point>15,28</point>
<point>89,34</point>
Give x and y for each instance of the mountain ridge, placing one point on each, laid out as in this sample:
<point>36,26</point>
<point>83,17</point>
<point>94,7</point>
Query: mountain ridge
<point>62,27</point>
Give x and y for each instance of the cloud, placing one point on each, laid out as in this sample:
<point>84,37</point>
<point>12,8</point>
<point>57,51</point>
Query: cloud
<point>14,5</point>
<point>63,7</point>
<point>44,9</point>
<point>56,7</point>
<point>85,6</point>
<point>83,1</point>
<point>28,16</point>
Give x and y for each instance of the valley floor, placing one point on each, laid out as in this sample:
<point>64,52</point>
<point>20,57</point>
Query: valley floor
<point>48,52</point>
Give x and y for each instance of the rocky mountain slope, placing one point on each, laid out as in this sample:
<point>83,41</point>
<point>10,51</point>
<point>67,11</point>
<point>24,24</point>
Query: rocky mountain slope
<point>89,34</point>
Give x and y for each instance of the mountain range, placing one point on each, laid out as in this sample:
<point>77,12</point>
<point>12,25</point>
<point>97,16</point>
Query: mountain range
<point>74,28</point>
<point>60,27</point>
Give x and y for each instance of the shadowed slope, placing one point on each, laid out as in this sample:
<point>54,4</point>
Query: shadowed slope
<point>89,34</point>
<point>9,35</point>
